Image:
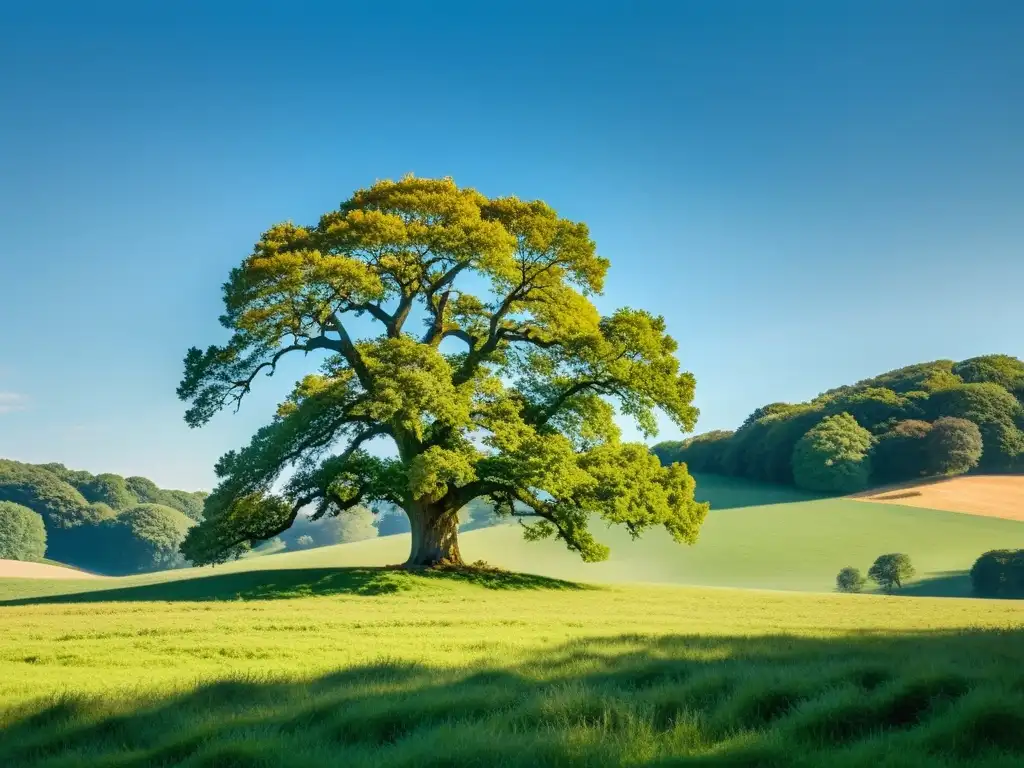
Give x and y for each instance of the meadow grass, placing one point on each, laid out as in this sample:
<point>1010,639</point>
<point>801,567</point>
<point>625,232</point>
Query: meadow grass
<point>375,667</point>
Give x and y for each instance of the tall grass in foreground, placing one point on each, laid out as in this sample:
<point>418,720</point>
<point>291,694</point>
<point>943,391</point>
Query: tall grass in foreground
<point>373,668</point>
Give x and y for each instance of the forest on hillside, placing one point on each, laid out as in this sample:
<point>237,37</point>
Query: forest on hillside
<point>104,523</point>
<point>936,418</point>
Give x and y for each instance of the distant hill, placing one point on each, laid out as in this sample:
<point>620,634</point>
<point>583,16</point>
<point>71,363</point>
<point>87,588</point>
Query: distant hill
<point>104,523</point>
<point>893,435</point>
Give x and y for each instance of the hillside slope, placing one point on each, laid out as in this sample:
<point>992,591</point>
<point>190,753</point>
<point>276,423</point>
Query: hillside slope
<point>17,569</point>
<point>787,545</point>
<point>987,495</point>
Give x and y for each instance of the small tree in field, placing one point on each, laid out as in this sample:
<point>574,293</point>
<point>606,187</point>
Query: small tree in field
<point>850,580</point>
<point>485,367</point>
<point>953,446</point>
<point>22,533</point>
<point>891,571</point>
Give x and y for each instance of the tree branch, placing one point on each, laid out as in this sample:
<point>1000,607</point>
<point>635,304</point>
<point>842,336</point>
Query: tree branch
<point>349,351</point>
<point>544,414</point>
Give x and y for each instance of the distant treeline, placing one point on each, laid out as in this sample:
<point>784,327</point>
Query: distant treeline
<point>927,419</point>
<point>104,523</point>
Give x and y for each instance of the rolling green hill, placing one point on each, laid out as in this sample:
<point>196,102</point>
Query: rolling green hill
<point>790,541</point>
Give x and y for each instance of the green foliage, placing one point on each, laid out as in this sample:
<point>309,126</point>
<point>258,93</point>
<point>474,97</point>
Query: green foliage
<point>108,489</point>
<point>902,453</point>
<point>188,503</point>
<point>996,412</point>
<point>850,580</point>
<point>61,506</point>
<point>702,453</point>
<point>87,528</point>
<point>144,538</point>
<point>891,571</point>
<point>22,533</point>
<point>1004,370</point>
<point>833,456</point>
<point>874,408</point>
<point>999,573</point>
<point>897,407</point>
<point>517,408</point>
<point>953,446</point>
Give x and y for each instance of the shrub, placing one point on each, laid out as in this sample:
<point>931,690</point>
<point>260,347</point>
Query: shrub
<point>999,573</point>
<point>891,571</point>
<point>22,533</point>
<point>850,580</point>
<point>833,456</point>
<point>953,446</point>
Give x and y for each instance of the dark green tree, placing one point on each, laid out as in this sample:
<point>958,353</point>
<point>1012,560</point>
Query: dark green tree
<point>850,580</point>
<point>833,456</point>
<point>504,394</point>
<point>22,533</point>
<point>953,446</point>
<point>108,489</point>
<point>901,453</point>
<point>999,573</point>
<point>996,412</point>
<point>891,571</point>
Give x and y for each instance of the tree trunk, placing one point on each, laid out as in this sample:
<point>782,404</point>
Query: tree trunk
<point>435,536</point>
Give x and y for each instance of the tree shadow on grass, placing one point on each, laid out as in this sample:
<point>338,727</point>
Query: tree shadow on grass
<point>276,584</point>
<point>942,584</point>
<point>918,699</point>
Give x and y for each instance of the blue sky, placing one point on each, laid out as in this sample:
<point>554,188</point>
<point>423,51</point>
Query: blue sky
<point>809,192</point>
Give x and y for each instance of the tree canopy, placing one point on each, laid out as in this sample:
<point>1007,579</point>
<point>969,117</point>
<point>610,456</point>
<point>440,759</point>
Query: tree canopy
<point>833,456</point>
<point>899,409</point>
<point>486,369</point>
<point>22,533</point>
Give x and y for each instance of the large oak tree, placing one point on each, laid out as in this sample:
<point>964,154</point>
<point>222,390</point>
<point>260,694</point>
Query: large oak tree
<point>491,373</point>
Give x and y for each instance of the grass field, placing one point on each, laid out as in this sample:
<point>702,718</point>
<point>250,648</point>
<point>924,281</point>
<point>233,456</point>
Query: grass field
<point>369,667</point>
<point>292,660</point>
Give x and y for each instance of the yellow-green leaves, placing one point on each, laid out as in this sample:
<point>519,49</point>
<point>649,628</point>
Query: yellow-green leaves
<point>411,386</point>
<point>432,472</point>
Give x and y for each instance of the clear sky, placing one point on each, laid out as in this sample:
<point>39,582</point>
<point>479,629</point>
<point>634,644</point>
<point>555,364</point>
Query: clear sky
<point>809,192</point>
